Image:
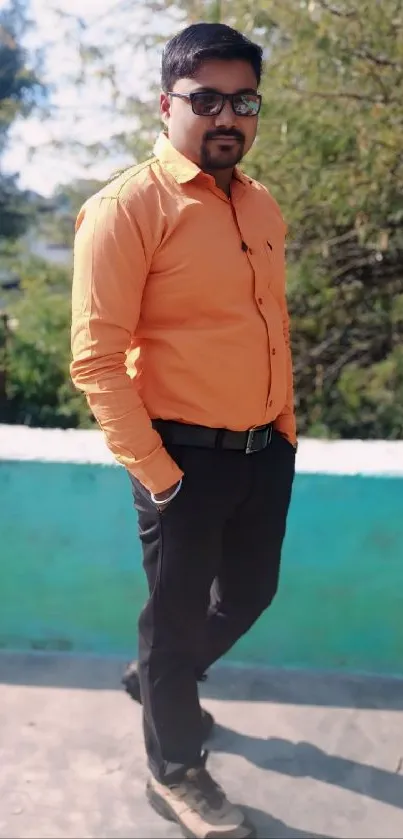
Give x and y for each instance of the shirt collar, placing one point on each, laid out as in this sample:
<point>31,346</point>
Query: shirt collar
<point>179,166</point>
<point>182,169</point>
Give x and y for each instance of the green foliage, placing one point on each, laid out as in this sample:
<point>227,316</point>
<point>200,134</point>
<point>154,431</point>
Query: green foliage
<point>38,387</point>
<point>333,124</point>
<point>19,90</point>
<point>35,388</point>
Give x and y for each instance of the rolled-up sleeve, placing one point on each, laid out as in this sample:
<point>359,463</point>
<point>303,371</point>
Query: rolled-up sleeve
<point>111,263</point>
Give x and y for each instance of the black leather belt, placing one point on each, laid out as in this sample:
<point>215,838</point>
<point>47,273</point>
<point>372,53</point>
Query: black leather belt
<point>182,434</point>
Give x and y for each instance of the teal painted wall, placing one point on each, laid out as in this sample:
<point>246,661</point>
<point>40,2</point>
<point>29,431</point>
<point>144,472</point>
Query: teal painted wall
<point>71,577</point>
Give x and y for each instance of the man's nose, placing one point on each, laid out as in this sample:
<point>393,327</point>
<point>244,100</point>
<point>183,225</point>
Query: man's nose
<point>226,119</point>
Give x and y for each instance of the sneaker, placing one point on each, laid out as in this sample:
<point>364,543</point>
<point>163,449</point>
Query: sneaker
<point>200,807</point>
<point>131,683</point>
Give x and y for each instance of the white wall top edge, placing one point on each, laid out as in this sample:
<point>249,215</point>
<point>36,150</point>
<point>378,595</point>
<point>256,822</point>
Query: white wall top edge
<point>339,457</point>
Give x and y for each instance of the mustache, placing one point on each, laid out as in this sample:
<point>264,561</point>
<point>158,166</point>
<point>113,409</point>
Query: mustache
<point>233,134</point>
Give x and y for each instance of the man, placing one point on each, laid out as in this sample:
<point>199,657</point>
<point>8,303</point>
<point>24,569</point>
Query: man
<point>180,341</point>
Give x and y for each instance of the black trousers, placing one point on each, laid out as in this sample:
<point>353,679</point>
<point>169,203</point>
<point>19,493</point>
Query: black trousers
<point>212,559</point>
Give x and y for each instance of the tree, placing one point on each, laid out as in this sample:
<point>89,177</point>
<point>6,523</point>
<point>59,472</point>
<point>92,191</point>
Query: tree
<point>38,386</point>
<point>35,388</point>
<point>19,91</point>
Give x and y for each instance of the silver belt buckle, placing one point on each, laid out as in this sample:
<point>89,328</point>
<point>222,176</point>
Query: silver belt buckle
<point>249,442</point>
<point>251,436</point>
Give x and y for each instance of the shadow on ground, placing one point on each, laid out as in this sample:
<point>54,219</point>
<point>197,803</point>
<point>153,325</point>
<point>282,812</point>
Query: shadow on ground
<point>270,828</point>
<point>303,760</point>
<point>322,752</point>
<point>228,682</point>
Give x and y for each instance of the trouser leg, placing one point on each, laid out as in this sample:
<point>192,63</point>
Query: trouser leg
<point>248,578</point>
<point>182,550</point>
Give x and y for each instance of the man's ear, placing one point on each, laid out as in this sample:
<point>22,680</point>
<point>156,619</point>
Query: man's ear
<point>165,108</point>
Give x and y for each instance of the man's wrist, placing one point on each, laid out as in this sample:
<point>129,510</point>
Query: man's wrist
<point>162,498</point>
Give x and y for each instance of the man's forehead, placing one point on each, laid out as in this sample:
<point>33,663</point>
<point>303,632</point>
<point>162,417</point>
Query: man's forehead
<point>218,74</point>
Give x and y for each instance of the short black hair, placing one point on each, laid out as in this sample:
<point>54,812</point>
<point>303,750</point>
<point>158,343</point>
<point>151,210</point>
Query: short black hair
<point>187,50</point>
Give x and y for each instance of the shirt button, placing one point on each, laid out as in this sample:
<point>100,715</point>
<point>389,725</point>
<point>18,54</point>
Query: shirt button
<point>273,351</point>
<point>260,300</point>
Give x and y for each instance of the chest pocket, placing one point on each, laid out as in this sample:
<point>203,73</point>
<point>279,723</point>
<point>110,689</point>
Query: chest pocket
<point>273,253</point>
<point>264,233</point>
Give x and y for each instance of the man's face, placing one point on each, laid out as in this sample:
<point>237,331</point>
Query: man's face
<point>212,142</point>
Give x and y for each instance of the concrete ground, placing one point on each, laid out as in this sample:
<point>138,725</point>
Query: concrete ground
<point>310,756</point>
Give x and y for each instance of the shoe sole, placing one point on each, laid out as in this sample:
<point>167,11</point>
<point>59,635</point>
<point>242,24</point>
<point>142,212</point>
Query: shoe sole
<point>163,809</point>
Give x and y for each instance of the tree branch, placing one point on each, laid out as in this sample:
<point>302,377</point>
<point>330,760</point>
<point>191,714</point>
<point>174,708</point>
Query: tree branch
<point>342,94</point>
<point>333,371</point>
<point>334,11</point>
<point>376,59</point>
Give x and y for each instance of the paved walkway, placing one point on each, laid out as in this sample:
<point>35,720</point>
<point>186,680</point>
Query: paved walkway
<point>310,756</point>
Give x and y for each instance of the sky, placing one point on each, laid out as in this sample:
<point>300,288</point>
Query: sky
<point>78,114</point>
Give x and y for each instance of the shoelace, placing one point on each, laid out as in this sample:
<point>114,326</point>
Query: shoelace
<point>207,789</point>
<point>204,788</point>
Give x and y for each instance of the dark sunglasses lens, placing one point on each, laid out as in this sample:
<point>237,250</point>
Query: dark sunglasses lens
<point>246,105</point>
<point>206,104</point>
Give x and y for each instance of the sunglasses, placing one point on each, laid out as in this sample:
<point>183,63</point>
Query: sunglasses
<point>206,104</point>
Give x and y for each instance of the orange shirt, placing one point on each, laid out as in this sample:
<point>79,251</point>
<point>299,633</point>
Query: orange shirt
<point>179,309</point>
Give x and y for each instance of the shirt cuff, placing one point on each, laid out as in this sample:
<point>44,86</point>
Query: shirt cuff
<point>157,473</point>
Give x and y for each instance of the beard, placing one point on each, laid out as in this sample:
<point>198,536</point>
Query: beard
<point>221,155</point>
